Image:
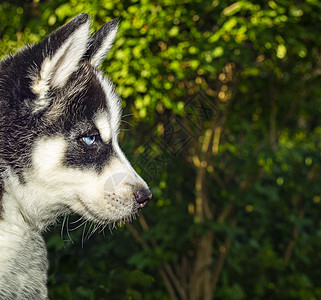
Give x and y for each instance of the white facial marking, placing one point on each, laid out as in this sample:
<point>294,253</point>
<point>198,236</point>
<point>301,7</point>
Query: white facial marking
<point>113,102</point>
<point>102,124</point>
<point>48,154</point>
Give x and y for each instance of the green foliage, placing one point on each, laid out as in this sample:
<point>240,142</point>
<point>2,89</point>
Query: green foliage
<point>255,67</point>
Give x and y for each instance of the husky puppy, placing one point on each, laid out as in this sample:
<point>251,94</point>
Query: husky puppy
<point>59,123</point>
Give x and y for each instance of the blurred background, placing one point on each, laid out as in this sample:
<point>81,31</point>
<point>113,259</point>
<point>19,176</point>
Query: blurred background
<point>222,108</point>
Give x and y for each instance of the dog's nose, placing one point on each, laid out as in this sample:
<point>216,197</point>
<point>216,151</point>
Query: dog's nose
<point>143,196</point>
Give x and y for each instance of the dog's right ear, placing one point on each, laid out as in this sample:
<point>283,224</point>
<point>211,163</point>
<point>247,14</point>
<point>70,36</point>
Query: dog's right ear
<point>62,51</point>
<point>101,42</point>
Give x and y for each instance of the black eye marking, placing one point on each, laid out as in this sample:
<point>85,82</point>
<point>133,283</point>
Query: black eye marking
<point>88,150</point>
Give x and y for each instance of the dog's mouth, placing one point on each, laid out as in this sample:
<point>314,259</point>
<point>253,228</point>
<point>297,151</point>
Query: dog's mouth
<point>142,205</point>
<point>139,200</point>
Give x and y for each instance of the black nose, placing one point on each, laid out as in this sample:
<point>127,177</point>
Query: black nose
<point>143,196</point>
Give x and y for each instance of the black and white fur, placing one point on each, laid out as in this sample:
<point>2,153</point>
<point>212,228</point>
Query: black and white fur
<point>59,123</point>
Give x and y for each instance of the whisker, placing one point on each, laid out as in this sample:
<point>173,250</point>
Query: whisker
<point>84,222</point>
<point>123,121</point>
<point>79,219</point>
<point>68,234</point>
<point>83,234</point>
<point>62,227</point>
<point>110,227</point>
<point>127,115</point>
<point>97,226</point>
<point>89,230</point>
<point>103,228</point>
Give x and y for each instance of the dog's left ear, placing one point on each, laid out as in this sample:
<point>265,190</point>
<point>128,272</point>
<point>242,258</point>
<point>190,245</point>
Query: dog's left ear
<point>65,48</point>
<point>101,42</point>
<point>61,53</point>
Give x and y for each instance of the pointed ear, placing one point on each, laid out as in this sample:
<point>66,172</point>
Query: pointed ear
<point>101,42</point>
<point>62,51</point>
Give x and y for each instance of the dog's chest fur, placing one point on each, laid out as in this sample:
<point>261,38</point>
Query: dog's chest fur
<point>24,265</point>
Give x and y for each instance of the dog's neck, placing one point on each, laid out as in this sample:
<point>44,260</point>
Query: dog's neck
<point>23,255</point>
<point>27,205</point>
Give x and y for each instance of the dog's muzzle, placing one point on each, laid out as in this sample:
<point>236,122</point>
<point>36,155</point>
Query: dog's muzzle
<point>142,197</point>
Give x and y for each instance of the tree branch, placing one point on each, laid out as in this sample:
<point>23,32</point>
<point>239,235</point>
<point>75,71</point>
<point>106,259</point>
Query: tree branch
<point>175,281</point>
<point>137,236</point>
<point>220,262</point>
<point>295,231</point>
<point>166,266</point>
<point>161,270</point>
<point>168,284</point>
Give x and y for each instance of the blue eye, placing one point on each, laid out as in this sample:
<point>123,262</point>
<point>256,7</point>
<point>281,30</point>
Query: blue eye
<point>89,140</point>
